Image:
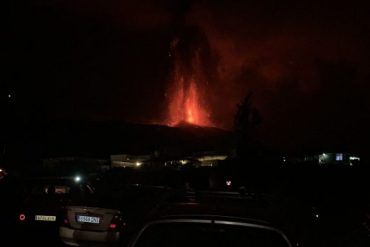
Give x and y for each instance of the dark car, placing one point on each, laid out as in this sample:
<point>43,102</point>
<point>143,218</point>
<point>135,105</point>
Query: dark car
<point>10,196</point>
<point>208,231</point>
<point>220,222</point>
<point>43,203</point>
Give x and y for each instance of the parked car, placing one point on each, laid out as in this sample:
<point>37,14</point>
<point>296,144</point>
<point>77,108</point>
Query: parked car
<point>43,202</point>
<point>207,224</point>
<point>109,216</point>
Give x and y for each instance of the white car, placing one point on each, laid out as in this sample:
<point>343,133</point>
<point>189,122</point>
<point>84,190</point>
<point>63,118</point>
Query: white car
<point>109,216</point>
<point>90,224</point>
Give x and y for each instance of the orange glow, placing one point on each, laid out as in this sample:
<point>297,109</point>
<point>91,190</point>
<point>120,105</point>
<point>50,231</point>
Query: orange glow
<point>187,98</point>
<point>186,105</point>
<point>193,109</point>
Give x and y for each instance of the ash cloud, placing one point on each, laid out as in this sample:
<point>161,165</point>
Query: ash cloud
<point>305,64</point>
<point>295,57</point>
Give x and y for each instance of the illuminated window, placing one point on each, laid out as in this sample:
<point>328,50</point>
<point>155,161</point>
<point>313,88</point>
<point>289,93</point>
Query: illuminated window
<point>339,157</point>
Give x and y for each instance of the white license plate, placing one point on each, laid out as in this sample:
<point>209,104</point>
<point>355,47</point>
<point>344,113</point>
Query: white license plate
<point>88,219</point>
<point>45,218</point>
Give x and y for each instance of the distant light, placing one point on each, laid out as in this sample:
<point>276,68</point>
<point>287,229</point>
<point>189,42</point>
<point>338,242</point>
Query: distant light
<point>228,183</point>
<point>138,164</point>
<point>1,170</point>
<point>317,216</point>
<point>112,226</point>
<point>22,217</point>
<point>9,96</point>
<point>354,158</point>
<point>212,158</point>
<point>339,157</point>
<point>183,162</point>
<point>77,179</point>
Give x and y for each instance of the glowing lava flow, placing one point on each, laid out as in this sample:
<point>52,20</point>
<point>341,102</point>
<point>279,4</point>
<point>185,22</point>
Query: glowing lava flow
<point>185,105</point>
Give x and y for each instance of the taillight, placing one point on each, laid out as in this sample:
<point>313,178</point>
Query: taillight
<point>22,217</point>
<point>65,221</point>
<point>112,226</point>
<point>116,223</point>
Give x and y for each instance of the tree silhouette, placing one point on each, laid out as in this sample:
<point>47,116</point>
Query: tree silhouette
<point>247,118</point>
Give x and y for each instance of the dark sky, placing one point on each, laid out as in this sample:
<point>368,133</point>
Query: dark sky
<point>307,64</point>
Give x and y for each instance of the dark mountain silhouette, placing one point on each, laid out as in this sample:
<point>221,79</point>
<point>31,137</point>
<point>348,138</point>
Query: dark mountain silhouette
<point>94,139</point>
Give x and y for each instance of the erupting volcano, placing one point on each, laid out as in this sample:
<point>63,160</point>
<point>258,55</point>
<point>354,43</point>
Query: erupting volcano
<point>186,106</point>
<point>189,80</point>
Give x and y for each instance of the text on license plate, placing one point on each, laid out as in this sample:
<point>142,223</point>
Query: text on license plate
<point>88,219</point>
<point>45,218</point>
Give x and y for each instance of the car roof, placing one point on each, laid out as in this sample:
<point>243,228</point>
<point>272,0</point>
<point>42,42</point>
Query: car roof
<point>220,205</point>
<point>196,212</point>
<point>212,218</point>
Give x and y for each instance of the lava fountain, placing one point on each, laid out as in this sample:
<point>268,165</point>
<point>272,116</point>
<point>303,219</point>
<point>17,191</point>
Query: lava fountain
<point>188,82</point>
<point>186,105</point>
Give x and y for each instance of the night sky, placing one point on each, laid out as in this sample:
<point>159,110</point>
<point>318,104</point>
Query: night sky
<point>307,64</point>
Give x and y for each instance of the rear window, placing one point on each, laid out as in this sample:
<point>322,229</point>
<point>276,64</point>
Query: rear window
<point>57,188</point>
<point>61,189</point>
<point>49,189</point>
<point>203,234</point>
